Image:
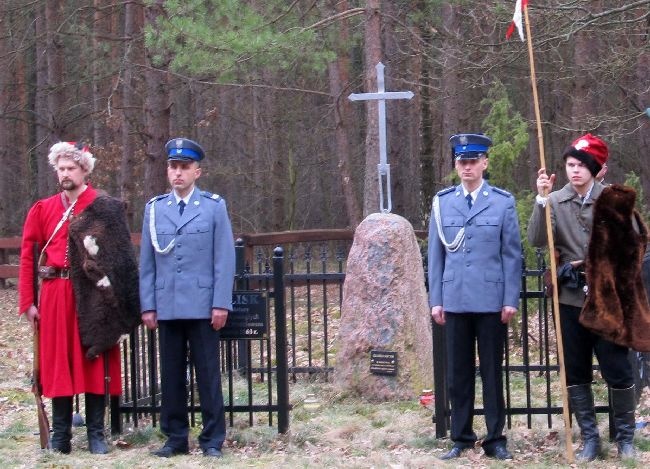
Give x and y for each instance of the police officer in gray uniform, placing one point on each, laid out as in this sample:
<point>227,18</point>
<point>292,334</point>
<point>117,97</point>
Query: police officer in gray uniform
<point>474,281</point>
<point>187,267</point>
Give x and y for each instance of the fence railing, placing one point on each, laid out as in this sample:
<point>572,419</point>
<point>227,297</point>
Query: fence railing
<point>313,271</point>
<point>141,376</point>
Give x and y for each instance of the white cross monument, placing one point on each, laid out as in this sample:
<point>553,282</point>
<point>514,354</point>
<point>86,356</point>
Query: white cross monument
<point>383,168</point>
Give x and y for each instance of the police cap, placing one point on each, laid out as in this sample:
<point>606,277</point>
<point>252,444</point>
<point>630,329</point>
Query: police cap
<point>469,146</point>
<point>184,149</point>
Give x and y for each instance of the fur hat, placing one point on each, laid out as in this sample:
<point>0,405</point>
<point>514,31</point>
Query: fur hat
<point>590,150</point>
<point>77,152</point>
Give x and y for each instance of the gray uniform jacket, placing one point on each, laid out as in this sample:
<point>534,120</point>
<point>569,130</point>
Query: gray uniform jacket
<point>197,274</point>
<point>571,221</point>
<point>484,274</point>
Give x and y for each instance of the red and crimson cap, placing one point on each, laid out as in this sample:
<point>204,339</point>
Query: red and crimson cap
<point>590,150</point>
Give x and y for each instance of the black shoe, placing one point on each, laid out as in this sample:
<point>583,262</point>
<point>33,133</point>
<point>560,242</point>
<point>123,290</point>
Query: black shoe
<point>95,407</point>
<point>63,448</point>
<point>61,424</point>
<point>452,454</point>
<point>168,452</point>
<point>499,452</point>
<point>212,452</point>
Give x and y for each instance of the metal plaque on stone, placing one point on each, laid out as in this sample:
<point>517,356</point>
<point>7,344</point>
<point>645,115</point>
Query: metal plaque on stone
<point>248,318</point>
<point>383,363</point>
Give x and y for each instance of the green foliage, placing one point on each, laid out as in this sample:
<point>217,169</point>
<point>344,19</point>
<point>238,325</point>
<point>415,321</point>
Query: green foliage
<point>525,204</point>
<point>230,38</point>
<point>509,132</point>
<point>632,180</point>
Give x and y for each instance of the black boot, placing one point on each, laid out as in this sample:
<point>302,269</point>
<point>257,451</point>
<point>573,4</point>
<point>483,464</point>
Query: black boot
<point>582,404</point>
<point>95,423</point>
<point>623,405</point>
<point>62,424</point>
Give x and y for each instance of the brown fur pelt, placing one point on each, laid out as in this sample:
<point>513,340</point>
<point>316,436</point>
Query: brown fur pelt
<point>104,275</point>
<point>617,305</point>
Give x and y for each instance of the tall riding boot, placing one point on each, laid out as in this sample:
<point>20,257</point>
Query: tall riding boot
<point>623,405</point>
<point>95,423</point>
<point>582,404</point>
<point>62,424</point>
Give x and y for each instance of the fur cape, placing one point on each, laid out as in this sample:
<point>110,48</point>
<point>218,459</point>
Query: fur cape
<point>617,304</point>
<point>104,275</point>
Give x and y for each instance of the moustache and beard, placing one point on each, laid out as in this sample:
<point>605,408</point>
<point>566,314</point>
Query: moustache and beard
<point>68,185</point>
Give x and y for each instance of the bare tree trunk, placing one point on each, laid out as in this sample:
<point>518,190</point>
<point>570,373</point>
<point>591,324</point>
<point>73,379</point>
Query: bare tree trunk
<point>258,161</point>
<point>55,68</point>
<point>403,116</point>
<point>270,128</point>
<point>130,117</point>
<point>452,98</point>
<point>372,53</point>
<point>277,159</point>
<point>426,153</point>
<point>101,22</point>
<point>336,73</point>
<point>50,67</point>
<point>21,139</point>
<point>339,77</point>
<point>156,115</point>
<point>584,101</point>
<point>642,70</point>
<point>6,154</point>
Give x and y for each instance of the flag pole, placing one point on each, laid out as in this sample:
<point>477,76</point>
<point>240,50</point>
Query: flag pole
<point>551,249</point>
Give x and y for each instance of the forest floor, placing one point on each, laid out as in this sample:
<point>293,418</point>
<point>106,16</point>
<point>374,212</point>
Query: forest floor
<point>341,433</point>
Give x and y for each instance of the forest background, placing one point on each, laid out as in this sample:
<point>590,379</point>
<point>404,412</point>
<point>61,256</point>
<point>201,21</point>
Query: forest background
<point>263,86</point>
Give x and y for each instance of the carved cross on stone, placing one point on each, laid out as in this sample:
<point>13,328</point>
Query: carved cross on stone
<point>383,168</point>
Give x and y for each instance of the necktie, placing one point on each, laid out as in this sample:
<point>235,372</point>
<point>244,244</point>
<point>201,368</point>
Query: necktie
<point>469,200</point>
<point>181,207</point>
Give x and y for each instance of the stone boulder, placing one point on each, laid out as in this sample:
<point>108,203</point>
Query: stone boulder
<point>385,308</point>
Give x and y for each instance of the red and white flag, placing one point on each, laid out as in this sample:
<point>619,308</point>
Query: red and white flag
<point>517,20</point>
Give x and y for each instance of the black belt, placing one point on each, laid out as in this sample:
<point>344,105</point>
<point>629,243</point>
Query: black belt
<point>47,272</point>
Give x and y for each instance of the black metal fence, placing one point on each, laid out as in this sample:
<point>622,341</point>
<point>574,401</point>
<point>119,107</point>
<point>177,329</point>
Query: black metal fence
<point>305,282</point>
<point>531,381</point>
<point>242,390</point>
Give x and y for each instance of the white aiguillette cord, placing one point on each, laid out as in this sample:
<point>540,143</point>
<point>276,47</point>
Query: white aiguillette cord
<point>460,236</point>
<point>154,236</point>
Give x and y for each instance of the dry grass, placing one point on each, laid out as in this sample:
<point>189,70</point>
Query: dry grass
<point>343,432</point>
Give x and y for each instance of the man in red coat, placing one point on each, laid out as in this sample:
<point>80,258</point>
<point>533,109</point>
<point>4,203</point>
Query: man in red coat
<point>65,369</point>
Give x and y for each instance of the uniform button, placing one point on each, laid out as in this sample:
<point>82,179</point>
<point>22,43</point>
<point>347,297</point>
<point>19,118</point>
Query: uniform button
<point>469,222</point>
<point>468,264</point>
<point>178,245</point>
<point>469,236</point>
<point>468,250</point>
<point>179,258</point>
<point>178,270</point>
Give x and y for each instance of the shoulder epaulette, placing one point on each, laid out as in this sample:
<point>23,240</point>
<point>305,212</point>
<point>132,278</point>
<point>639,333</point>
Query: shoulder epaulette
<point>210,195</point>
<point>157,197</point>
<point>501,191</point>
<point>446,190</point>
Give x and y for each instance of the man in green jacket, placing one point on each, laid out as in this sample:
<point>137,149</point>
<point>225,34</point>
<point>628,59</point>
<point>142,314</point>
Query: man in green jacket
<point>571,219</point>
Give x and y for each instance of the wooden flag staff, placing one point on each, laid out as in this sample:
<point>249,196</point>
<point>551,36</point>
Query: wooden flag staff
<point>551,249</point>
